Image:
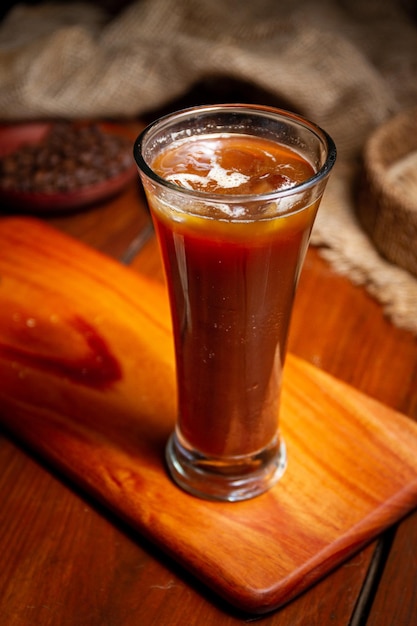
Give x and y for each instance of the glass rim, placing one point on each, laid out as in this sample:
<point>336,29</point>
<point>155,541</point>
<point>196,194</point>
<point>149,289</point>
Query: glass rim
<point>257,109</point>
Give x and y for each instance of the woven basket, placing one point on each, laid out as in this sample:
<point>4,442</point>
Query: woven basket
<point>387,200</point>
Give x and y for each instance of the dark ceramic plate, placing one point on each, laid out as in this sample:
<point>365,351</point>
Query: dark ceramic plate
<point>12,137</point>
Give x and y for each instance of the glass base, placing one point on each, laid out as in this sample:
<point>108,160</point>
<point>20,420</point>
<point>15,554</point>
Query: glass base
<point>231,479</point>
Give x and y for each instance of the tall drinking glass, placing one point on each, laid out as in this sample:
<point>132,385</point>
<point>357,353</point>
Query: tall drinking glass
<point>233,191</point>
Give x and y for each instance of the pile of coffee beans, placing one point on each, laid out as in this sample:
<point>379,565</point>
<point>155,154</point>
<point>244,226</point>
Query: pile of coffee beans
<point>71,156</point>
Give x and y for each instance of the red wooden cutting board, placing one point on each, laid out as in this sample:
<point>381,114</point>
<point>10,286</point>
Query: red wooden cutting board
<point>87,380</point>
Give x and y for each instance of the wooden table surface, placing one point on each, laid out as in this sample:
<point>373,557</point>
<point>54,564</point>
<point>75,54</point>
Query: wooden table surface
<point>67,561</point>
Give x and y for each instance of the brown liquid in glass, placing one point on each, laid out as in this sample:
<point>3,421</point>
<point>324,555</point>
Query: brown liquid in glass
<point>231,282</point>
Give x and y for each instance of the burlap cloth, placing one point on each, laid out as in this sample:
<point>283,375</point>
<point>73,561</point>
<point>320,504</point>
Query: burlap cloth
<point>349,65</point>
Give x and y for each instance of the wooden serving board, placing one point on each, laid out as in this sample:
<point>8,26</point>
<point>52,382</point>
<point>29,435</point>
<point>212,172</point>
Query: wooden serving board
<point>87,380</point>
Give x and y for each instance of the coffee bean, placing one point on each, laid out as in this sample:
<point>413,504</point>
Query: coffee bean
<point>70,157</point>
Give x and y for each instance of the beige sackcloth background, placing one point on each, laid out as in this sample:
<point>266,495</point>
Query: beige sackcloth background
<point>348,65</point>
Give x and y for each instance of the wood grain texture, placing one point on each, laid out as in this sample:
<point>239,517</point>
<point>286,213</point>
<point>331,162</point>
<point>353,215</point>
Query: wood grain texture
<point>396,596</point>
<point>69,314</point>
